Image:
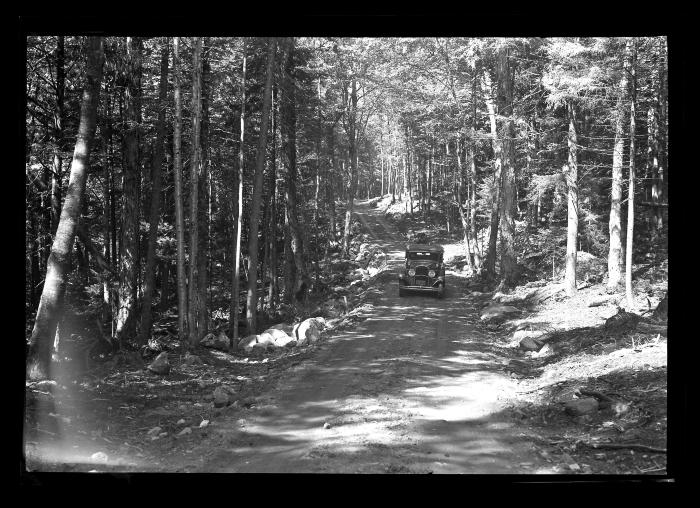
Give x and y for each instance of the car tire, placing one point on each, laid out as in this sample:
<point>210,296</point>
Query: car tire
<point>402,292</point>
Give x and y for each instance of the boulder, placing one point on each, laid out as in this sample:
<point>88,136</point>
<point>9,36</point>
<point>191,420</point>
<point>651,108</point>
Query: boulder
<point>498,312</point>
<point>580,407</point>
<point>221,397</point>
<point>219,341</point>
<point>266,338</point>
<point>247,343</point>
<point>284,327</point>
<point>521,334</point>
<point>277,334</point>
<point>547,350</point>
<point>281,339</point>
<point>160,365</point>
<point>530,344</point>
<point>308,331</point>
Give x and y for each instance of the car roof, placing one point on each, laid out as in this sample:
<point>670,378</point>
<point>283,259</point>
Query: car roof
<point>424,247</point>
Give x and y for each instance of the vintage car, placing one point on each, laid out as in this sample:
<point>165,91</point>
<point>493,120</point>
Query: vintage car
<point>424,270</point>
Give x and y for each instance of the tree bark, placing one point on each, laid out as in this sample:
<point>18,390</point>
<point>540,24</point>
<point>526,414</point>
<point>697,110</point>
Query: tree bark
<point>630,197</point>
<point>352,178</point>
<point>571,176</point>
<point>508,195</point>
<point>615,221</point>
<point>236,281</point>
<point>204,205</point>
<point>154,218</point>
<point>490,264</point>
<point>51,302</point>
<point>251,303</point>
<point>273,294</point>
<point>195,172</point>
<point>179,209</point>
<point>288,131</point>
<point>129,262</point>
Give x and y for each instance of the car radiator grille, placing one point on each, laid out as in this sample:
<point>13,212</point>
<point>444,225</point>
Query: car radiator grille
<point>422,271</point>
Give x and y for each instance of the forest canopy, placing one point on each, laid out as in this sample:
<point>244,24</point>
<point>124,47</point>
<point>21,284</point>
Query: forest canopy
<point>213,178</point>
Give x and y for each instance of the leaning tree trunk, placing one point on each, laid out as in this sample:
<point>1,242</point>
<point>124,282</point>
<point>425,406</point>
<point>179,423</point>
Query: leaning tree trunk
<point>251,303</point>
<point>571,176</point>
<point>154,219</point>
<point>51,302</point>
<point>615,221</point>
<point>179,209</point>
<point>129,262</point>
<point>630,196</point>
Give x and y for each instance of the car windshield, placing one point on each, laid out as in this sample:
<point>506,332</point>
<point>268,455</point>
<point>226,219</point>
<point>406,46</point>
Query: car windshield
<point>423,256</point>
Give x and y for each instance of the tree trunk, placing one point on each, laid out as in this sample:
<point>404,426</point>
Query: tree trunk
<point>106,132</point>
<point>195,172</point>
<point>164,284</point>
<point>257,193</point>
<point>204,205</point>
<point>236,280</point>
<point>571,176</point>
<point>129,262</point>
<point>654,144</point>
<point>329,184</point>
<point>154,219</point>
<point>58,136</point>
<point>615,221</point>
<point>51,302</point>
<point>508,191</point>
<point>273,295</point>
<point>472,196</point>
<point>179,209</point>
<point>630,196</point>
<point>462,214</point>
<point>352,180</point>
<point>288,131</point>
<point>490,264</point>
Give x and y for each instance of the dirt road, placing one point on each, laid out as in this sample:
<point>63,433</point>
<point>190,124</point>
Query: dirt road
<point>414,388</point>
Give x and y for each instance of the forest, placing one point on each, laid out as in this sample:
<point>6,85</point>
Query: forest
<point>187,190</point>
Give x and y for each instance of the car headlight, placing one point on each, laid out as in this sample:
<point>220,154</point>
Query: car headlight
<point>431,273</point>
<point>411,272</point>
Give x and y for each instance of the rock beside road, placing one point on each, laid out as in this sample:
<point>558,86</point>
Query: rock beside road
<point>308,331</point>
<point>219,341</point>
<point>247,343</point>
<point>529,340</point>
<point>160,365</point>
<point>221,397</point>
<point>497,312</point>
<point>530,344</point>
